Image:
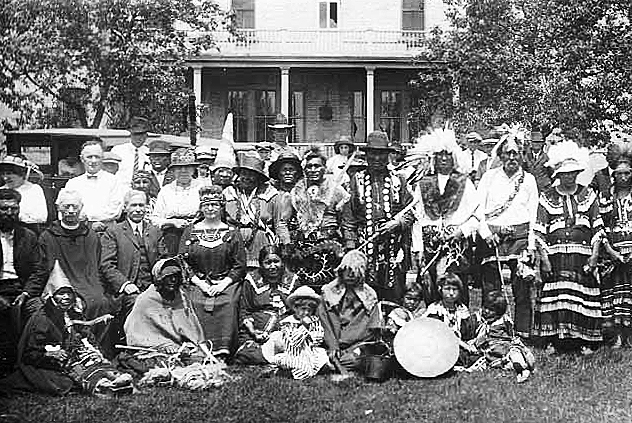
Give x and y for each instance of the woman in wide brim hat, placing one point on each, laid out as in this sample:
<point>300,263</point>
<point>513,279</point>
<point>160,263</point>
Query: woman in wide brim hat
<point>281,122</point>
<point>254,163</point>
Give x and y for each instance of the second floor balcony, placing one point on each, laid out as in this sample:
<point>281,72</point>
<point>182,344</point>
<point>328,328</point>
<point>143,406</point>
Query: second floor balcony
<point>318,43</point>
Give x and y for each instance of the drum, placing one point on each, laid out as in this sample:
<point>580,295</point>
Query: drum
<point>426,347</point>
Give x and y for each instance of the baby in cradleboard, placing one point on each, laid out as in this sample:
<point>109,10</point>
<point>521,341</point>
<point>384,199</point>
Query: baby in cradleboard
<point>495,338</point>
<point>298,346</point>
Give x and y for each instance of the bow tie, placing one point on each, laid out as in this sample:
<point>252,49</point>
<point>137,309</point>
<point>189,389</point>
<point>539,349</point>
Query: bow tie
<point>91,176</point>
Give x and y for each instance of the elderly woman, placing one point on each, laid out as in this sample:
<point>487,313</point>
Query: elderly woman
<point>251,206</point>
<point>263,304</point>
<point>349,312</point>
<point>33,208</point>
<point>569,225</point>
<point>178,203</point>
<point>215,252</point>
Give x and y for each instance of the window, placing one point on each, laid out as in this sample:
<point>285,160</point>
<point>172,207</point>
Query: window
<point>391,114</point>
<point>238,104</point>
<point>244,13</point>
<point>358,120</point>
<point>265,114</point>
<point>328,14</point>
<point>298,116</point>
<point>413,15</point>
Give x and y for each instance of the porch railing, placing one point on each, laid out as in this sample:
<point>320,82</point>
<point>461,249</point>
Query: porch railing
<point>319,42</point>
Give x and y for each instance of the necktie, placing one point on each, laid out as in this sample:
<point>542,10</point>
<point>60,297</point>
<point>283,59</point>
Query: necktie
<point>137,232</point>
<point>135,168</point>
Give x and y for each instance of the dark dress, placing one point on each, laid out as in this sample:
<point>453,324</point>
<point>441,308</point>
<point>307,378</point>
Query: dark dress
<point>264,305</point>
<point>214,255</point>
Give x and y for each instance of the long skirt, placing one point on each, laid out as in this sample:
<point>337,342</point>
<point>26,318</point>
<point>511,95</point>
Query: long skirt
<point>570,304</point>
<point>219,317</point>
<point>617,296</point>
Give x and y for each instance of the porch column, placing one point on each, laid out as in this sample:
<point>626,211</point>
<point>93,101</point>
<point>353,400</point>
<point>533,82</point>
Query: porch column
<point>285,91</point>
<point>370,100</point>
<point>197,90</point>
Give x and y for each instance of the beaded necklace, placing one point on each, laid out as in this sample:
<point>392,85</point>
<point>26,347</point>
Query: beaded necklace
<point>500,210</point>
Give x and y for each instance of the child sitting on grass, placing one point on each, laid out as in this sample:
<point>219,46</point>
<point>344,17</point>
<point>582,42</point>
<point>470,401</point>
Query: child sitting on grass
<point>495,338</point>
<point>300,339</point>
<point>451,311</point>
<point>409,309</point>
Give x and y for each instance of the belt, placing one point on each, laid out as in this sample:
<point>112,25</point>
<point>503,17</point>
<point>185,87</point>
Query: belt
<point>520,230</point>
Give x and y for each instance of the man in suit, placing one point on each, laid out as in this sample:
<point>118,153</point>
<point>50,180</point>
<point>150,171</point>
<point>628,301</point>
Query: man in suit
<point>130,250</point>
<point>602,181</point>
<point>160,158</point>
<point>535,161</point>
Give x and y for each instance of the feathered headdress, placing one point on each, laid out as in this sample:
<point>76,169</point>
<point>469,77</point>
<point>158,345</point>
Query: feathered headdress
<point>421,156</point>
<point>567,156</point>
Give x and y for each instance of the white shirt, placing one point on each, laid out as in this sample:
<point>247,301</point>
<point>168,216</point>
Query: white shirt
<point>102,196</point>
<point>469,160</point>
<point>160,176</point>
<point>8,270</point>
<point>126,168</point>
<point>174,201</point>
<point>33,207</point>
<point>137,228</point>
<point>494,190</point>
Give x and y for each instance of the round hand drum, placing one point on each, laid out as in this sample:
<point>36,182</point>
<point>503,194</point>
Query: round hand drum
<point>426,347</point>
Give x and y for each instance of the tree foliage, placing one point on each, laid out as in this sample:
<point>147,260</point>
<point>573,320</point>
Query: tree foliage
<point>98,57</point>
<point>540,62</point>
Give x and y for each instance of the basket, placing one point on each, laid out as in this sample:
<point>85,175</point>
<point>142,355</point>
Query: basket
<point>378,362</point>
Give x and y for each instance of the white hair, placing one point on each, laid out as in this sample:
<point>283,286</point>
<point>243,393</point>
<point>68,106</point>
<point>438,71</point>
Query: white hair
<point>133,193</point>
<point>66,195</point>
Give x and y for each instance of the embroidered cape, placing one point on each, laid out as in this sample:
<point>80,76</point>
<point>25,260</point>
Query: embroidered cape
<point>437,205</point>
<point>310,202</point>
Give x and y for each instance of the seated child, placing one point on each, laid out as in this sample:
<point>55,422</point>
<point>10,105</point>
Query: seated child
<point>456,315</point>
<point>300,339</point>
<point>407,312</point>
<point>496,340</point>
<point>57,350</point>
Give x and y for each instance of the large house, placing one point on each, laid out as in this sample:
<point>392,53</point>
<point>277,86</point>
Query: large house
<point>337,67</point>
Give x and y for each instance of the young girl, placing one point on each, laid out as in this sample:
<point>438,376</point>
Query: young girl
<point>301,337</point>
<point>456,315</point>
<point>496,340</point>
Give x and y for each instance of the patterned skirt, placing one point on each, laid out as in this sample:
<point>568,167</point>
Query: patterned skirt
<point>570,303</point>
<point>617,296</point>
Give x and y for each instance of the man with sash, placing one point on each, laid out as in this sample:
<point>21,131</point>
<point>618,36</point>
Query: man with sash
<point>508,207</point>
<point>445,214</point>
<point>372,219</point>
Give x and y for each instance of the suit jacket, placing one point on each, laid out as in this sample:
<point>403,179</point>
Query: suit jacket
<point>537,167</point>
<point>26,257</point>
<point>602,183</point>
<point>120,259</point>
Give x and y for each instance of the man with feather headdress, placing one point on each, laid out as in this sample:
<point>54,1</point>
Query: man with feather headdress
<point>445,214</point>
<point>508,206</point>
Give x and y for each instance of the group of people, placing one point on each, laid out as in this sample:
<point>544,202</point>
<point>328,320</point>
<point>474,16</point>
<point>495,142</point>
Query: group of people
<point>279,259</point>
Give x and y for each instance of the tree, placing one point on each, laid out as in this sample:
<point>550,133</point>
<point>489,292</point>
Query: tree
<point>98,57</point>
<point>552,62</point>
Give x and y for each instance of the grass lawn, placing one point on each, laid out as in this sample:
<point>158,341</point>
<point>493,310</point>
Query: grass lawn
<point>563,389</point>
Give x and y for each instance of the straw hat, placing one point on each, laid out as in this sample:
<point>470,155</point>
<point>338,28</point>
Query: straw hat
<point>183,157</point>
<point>567,156</point>
<point>344,140</point>
<point>206,151</point>
<point>158,147</point>
<point>109,157</point>
<point>286,156</point>
<point>302,292</point>
<point>426,347</point>
<point>138,125</point>
<point>12,160</point>
<point>251,162</point>
<point>280,122</point>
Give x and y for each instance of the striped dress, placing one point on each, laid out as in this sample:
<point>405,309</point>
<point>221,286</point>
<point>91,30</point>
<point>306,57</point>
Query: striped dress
<point>570,303</point>
<point>302,355</point>
<point>617,285</point>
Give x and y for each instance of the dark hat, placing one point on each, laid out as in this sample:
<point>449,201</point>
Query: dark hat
<point>536,136</point>
<point>280,122</point>
<point>138,125</point>
<point>344,140</point>
<point>286,156</point>
<point>264,145</point>
<point>183,157</point>
<point>377,140</point>
<point>251,162</point>
<point>159,147</point>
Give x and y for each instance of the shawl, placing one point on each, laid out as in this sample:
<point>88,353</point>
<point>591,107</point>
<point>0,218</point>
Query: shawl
<point>438,205</point>
<point>311,202</point>
<point>259,285</point>
<point>154,323</point>
<point>334,291</point>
